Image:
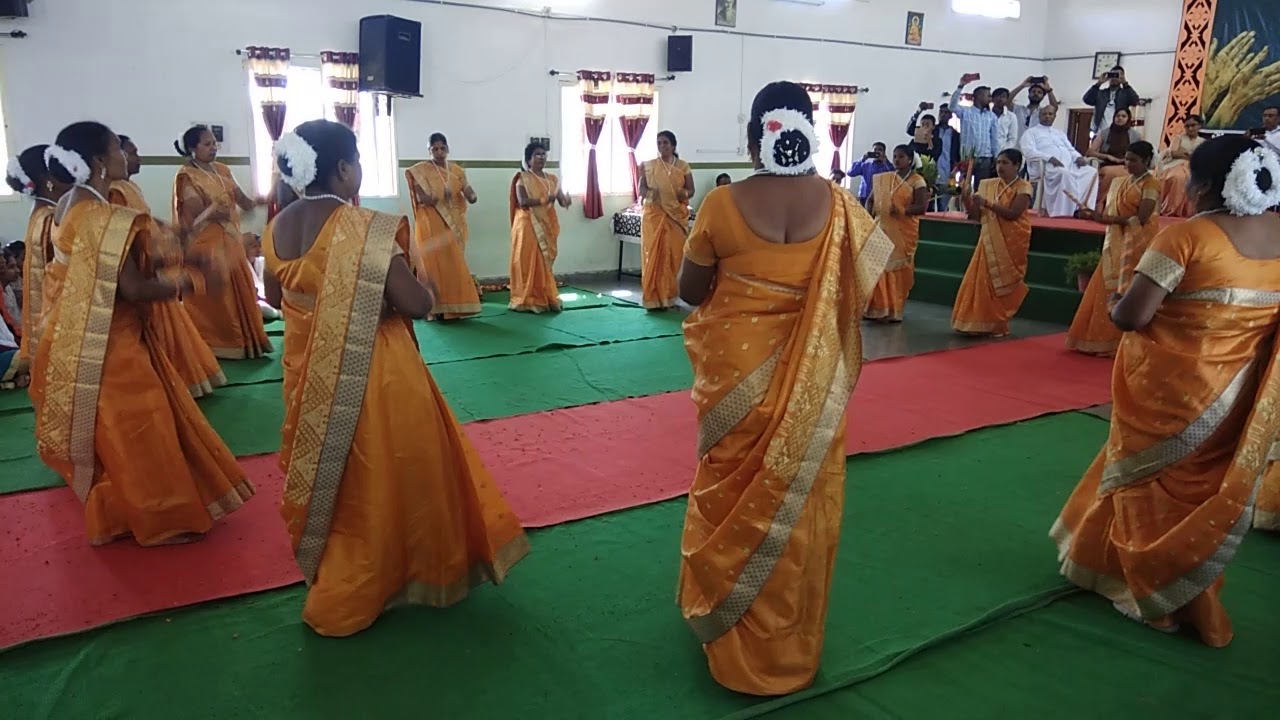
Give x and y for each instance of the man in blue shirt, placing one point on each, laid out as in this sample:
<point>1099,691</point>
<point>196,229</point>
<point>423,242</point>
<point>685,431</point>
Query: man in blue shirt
<point>873,163</point>
<point>977,129</point>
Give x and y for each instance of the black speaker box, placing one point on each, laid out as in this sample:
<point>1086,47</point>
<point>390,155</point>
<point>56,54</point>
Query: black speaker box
<point>680,53</point>
<point>14,8</point>
<point>391,56</point>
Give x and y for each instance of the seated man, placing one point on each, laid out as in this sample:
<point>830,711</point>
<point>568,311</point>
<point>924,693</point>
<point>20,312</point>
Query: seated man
<point>1070,182</point>
<point>11,374</point>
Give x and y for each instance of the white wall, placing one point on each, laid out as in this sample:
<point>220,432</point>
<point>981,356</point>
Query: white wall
<point>1144,31</point>
<point>158,65</point>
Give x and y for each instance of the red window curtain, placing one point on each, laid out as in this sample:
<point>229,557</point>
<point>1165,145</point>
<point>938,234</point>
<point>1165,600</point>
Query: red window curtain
<point>595,87</point>
<point>341,72</point>
<point>634,92</point>
<point>842,100</point>
<point>270,69</point>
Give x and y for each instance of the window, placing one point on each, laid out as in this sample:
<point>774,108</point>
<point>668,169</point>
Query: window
<point>612,161</point>
<point>308,100</point>
<point>827,150</point>
<point>989,8</point>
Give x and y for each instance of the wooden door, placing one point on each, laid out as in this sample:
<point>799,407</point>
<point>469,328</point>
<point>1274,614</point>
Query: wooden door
<point>1079,127</point>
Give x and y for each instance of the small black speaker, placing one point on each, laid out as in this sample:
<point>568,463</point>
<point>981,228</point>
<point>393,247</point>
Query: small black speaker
<point>679,53</point>
<point>14,8</point>
<point>391,56</point>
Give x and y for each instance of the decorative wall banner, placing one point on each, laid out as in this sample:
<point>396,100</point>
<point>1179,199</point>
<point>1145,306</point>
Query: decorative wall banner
<point>1227,66</point>
<point>915,29</point>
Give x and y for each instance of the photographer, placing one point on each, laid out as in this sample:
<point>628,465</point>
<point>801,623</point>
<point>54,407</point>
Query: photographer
<point>1110,93</point>
<point>871,164</point>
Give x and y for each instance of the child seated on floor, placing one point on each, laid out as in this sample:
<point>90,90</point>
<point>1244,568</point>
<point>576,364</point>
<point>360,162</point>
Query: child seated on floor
<point>11,374</point>
<point>253,251</point>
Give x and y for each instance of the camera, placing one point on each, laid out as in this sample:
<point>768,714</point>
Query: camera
<point>1040,80</point>
<point>1114,74</point>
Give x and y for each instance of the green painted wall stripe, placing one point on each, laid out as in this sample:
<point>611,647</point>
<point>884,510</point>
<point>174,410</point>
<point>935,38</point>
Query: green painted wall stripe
<point>175,160</point>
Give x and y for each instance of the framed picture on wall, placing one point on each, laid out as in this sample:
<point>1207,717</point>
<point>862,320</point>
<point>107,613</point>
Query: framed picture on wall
<point>915,29</point>
<point>1103,62</point>
<point>727,13</point>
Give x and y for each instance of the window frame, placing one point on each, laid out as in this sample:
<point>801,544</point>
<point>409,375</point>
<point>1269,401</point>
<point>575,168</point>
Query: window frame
<point>975,8</point>
<point>611,152</point>
<point>262,164</point>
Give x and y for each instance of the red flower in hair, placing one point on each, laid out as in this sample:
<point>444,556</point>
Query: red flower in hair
<point>773,126</point>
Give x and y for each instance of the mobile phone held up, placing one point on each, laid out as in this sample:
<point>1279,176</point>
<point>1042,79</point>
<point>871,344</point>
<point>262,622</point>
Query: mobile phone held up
<point>1040,80</point>
<point>1113,75</point>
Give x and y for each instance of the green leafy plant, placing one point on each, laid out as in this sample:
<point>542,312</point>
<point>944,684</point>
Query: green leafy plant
<point>929,171</point>
<point>1084,263</point>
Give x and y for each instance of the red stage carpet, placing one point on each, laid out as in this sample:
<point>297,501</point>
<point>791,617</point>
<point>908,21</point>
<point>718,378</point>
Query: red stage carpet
<point>554,467</point>
<point>1084,226</point>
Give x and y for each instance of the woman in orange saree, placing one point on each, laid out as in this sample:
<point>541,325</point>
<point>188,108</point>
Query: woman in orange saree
<point>113,418</point>
<point>1132,221</point>
<point>666,184</point>
<point>440,194</point>
<point>206,205</point>
<point>780,267</point>
<point>1175,169</point>
<point>535,233</point>
<point>1163,509</point>
<point>171,326</point>
<point>29,175</point>
<point>898,200</point>
<point>993,288</point>
<point>385,500</point>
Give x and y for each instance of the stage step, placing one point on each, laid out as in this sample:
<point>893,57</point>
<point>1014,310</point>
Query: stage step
<point>1042,267</point>
<point>1045,302</point>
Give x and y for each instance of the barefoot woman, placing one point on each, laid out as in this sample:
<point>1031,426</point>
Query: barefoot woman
<point>440,194</point>
<point>666,184</point>
<point>535,234</point>
<point>29,175</point>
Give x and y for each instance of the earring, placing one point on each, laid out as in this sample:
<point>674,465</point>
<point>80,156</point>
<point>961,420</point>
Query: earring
<point>104,173</point>
<point>48,184</point>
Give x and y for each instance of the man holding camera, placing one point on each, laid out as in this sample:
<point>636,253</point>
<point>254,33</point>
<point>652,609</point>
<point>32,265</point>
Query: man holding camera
<point>1110,93</point>
<point>871,164</point>
<point>978,134</point>
<point>1038,88</point>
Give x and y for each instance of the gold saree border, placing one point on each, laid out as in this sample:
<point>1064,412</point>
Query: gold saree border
<point>441,596</point>
<point>33,279</point>
<point>68,418</point>
<point>1240,297</point>
<point>1161,270</point>
<point>810,419</point>
<point>540,230</point>
<point>419,175</point>
<point>736,405</point>
<point>999,261</point>
<point>651,173</point>
<point>1142,464</point>
<point>348,313</point>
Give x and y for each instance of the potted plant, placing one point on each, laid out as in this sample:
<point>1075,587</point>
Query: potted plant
<point>1081,266</point>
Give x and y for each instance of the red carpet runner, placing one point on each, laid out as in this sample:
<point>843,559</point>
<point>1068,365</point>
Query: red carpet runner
<point>554,467</point>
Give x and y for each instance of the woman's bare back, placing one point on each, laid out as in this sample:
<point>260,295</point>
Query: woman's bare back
<point>295,230</point>
<point>1256,237</point>
<point>784,210</point>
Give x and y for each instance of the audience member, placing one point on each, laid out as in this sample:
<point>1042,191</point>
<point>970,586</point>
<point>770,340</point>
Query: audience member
<point>978,136</point>
<point>1029,115</point>
<point>1108,95</point>
<point>925,143</point>
<point>871,164</point>
<point>1070,183</point>
<point>723,179</point>
<point>1109,148</point>
<point>1007,135</point>
<point>10,310</point>
<point>948,143</point>
<point>1269,134</point>
<point>19,250</point>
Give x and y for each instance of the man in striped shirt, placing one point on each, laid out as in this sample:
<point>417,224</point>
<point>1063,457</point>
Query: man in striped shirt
<point>978,140</point>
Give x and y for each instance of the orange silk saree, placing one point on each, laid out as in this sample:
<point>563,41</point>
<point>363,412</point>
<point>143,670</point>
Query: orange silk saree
<point>1267,515</point>
<point>39,251</point>
<point>1092,331</point>
<point>1164,507</point>
<point>385,500</point>
<point>994,287</point>
<point>170,324</point>
<point>1174,175</point>
<point>663,230</point>
<point>441,236</point>
<point>229,321</point>
<point>114,419</point>
<point>776,351</point>
<point>535,234</point>
<point>892,194</point>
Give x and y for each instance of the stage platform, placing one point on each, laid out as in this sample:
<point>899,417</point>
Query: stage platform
<point>947,242</point>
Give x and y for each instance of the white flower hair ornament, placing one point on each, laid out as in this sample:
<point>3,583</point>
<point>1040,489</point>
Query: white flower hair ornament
<point>789,143</point>
<point>1241,193</point>
<point>301,159</point>
<point>72,161</point>
<point>16,172</point>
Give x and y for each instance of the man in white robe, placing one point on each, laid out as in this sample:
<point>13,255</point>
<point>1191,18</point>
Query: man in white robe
<point>1067,174</point>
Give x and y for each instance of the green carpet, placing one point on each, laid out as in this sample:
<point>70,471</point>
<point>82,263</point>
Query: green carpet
<point>937,538</point>
<point>248,417</point>
<point>1079,658</point>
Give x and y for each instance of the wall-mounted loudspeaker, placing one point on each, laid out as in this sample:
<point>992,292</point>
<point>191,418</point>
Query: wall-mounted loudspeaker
<point>680,53</point>
<point>14,8</point>
<point>391,56</point>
